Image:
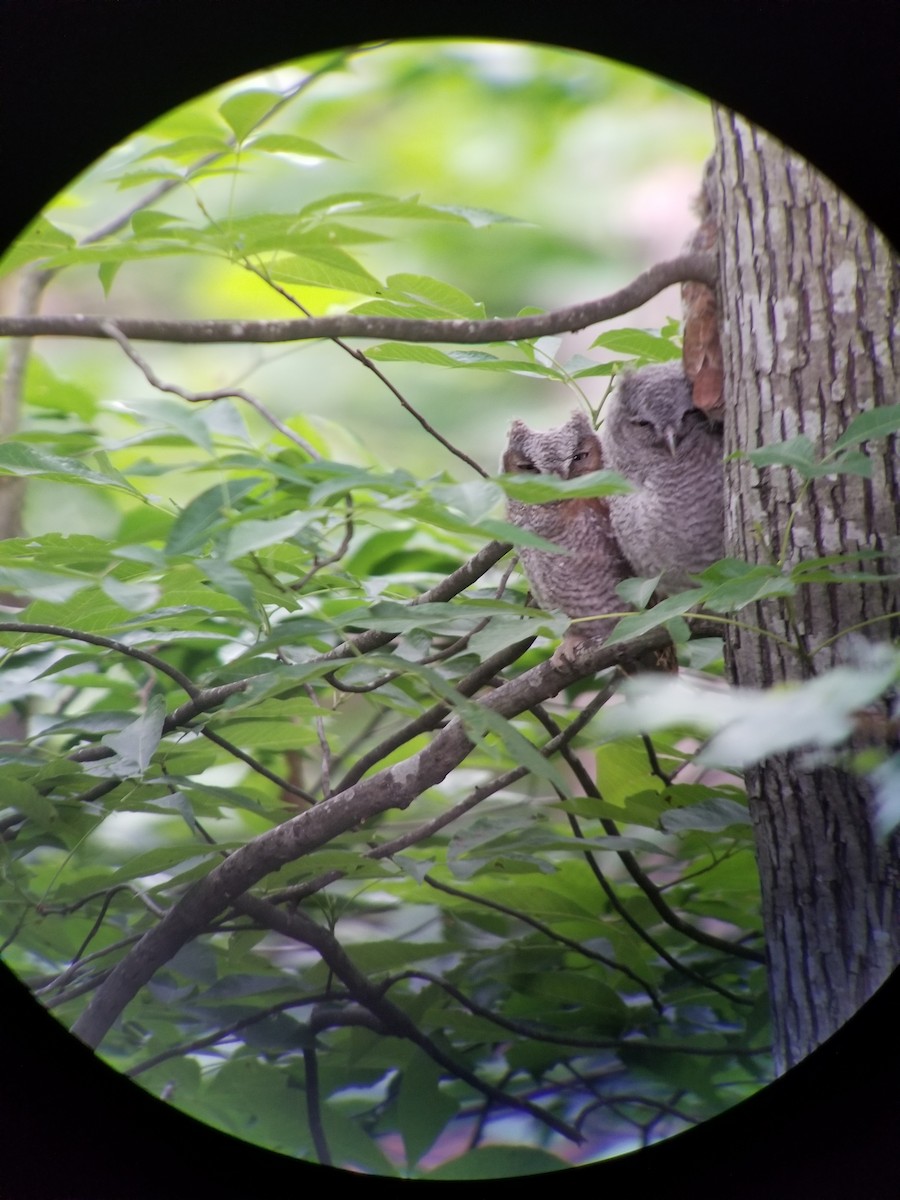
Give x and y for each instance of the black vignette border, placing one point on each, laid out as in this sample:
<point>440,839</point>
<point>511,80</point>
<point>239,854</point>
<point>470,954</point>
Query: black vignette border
<point>77,76</point>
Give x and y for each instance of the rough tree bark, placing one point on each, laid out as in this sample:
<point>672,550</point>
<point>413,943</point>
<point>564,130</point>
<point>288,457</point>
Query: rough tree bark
<point>810,294</point>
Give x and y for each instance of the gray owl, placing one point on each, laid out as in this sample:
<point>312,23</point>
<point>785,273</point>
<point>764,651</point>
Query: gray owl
<point>671,452</point>
<point>581,583</point>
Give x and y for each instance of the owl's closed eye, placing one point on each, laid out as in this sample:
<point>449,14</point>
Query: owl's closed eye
<point>673,523</point>
<point>581,582</point>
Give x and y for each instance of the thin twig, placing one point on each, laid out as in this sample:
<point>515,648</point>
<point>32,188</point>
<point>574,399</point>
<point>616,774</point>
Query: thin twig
<point>550,934</point>
<point>363,358</point>
<point>314,1107</point>
<point>434,716</point>
<point>113,331</point>
<point>96,639</point>
<point>394,1019</point>
<point>427,829</point>
<point>646,885</point>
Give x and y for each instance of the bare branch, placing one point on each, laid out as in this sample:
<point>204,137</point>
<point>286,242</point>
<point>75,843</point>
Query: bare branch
<point>113,331</point>
<point>96,639</point>
<point>421,832</point>
<point>550,934</point>
<point>432,717</point>
<point>647,886</point>
<point>454,583</point>
<point>365,361</point>
<point>685,268</point>
<point>372,996</point>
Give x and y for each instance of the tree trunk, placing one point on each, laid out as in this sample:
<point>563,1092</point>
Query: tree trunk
<point>809,296</point>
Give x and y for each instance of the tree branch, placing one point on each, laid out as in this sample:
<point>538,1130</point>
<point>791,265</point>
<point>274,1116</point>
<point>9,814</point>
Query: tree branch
<point>685,268</point>
<point>372,996</point>
<point>392,787</point>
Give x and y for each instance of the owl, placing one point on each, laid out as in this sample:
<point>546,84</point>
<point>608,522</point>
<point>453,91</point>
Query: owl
<point>582,582</point>
<point>672,453</point>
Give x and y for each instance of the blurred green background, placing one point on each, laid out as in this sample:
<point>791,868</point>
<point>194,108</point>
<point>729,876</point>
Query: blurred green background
<point>595,162</point>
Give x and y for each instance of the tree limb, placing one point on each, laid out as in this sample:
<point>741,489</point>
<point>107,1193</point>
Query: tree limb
<point>392,787</point>
<point>685,268</point>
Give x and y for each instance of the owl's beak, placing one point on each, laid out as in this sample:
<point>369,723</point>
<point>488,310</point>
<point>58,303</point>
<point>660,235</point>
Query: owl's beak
<point>671,438</point>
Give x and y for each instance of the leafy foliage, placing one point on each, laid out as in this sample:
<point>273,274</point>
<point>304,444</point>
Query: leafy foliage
<point>264,616</point>
<point>501,933</point>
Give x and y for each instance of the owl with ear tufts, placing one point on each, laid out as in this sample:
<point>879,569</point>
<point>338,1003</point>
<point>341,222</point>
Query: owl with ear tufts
<point>671,453</point>
<point>582,582</point>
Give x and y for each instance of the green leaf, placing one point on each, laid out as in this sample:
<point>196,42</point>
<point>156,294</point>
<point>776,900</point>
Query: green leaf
<point>194,146</point>
<point>134,745</point>
<point>483,720</point>
<point>198,521</point>
<point>638,342</point>
<point>414,352</point>
<point>324,266</point>
<point>246,110</point>
<point>478,218</point>
<point>51,586</point>
<point>150,221</point>
<point>797,452</point>
<point>710,816</point>
<point>441,299</point>
<point>833,568</point>
<point>165,859</point>
<point>638,592</point>
<point>582,368</point>
<point>851,462</point>
<point>250,535</point>
<point>289,143</point>
<point>374,204</point>
<point>640,622</point>
<point>424,1110</point>
<point>19,458</point>
<point>732,584</point>
<point>25,798</point>
<point>623,769</point>
<point>498,1162</point>
<point>107,273</point>
<point>870,425</point>
<point>135,250</point>
<point>531,489</point>
<point>42,238</point>
<point>564,988</point>
<point>232,582</point>
<point>472,500</point>
<point>410,352</point>
<point>150,175</point>
<point>45,389</point>
<point>135,596</point>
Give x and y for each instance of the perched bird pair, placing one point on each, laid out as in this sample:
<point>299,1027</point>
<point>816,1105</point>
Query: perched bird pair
<point>672,523</point>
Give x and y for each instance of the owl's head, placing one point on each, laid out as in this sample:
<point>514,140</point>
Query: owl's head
<point>569,451</point>
<point>652,411</point>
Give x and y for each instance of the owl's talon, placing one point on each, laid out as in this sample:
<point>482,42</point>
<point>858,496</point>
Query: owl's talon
<point>564,654</point>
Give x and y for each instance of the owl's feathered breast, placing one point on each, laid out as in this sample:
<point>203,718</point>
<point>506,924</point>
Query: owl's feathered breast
<point>582,581</point>
<point>674,521</point>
